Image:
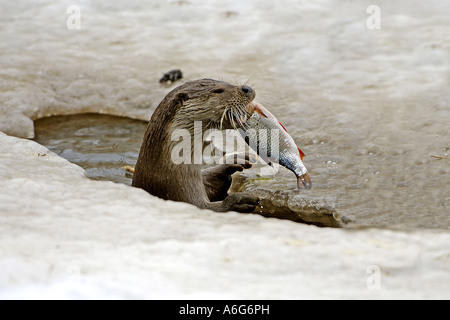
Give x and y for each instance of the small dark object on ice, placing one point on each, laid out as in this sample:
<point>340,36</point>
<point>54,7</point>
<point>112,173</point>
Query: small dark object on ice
<point>171,76</point>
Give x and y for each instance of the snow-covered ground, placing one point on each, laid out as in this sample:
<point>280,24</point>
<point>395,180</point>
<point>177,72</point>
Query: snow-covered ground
<point>65,236</point>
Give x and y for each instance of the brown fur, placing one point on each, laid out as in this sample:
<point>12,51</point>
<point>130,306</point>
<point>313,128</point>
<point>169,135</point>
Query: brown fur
<point>202,100</point>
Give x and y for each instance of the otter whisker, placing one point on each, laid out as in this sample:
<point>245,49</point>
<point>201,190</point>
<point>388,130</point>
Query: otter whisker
<point>243,114</point>
<point>231,118</point>
<point>210,124</point>
<point>238,114</point>
<point>223,116</point>
<point>238,117</point>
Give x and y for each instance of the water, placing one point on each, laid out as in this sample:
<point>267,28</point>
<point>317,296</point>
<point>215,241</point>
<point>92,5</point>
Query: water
<point>103,145</point>
<point>107,147</point>
<point>379,194</point>
<point>368,107</point>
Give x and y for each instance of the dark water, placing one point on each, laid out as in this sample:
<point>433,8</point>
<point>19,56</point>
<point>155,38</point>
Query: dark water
<point>103,145</point>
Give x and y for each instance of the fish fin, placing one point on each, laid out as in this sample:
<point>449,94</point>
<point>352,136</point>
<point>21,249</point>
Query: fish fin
<point>260,111</point>
<point>282,126</point>
<point>302,154</point>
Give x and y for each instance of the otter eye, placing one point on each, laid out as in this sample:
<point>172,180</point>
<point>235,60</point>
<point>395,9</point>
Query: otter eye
<point>219,91</point>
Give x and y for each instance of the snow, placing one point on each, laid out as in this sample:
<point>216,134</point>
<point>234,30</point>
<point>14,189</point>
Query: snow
<point>63,236</point>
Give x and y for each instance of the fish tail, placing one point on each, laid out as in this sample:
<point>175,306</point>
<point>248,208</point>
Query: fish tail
<point>304,180</point>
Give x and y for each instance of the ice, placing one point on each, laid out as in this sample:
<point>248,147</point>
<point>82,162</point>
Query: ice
<point>65,236</point>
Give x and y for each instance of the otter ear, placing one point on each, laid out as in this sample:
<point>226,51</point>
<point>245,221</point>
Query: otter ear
<point>182,96</point>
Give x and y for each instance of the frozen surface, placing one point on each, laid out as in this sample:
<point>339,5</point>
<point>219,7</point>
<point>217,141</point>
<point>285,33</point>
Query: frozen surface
<point>368,107</point>
<point>65,236</point>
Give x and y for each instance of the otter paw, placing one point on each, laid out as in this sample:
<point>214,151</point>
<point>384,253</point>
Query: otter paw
<point>241,202</point>
<point>218,179</point>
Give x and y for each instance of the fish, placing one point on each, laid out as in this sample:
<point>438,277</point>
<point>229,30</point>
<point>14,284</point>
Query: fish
<point>274,144</point>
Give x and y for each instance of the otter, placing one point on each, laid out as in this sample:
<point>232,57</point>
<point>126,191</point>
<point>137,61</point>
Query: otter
<point>218,105</point>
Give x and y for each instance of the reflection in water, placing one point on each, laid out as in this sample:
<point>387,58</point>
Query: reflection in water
<point>102,145</point>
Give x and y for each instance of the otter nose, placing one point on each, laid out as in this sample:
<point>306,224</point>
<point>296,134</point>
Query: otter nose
<point>249,92</point>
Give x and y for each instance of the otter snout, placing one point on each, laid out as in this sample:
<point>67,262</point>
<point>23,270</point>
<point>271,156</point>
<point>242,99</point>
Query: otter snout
<point>249,92</point>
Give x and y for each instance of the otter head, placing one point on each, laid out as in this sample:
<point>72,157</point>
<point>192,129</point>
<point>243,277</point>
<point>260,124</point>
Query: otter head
<point>165,167</point>
<point>217,104</point>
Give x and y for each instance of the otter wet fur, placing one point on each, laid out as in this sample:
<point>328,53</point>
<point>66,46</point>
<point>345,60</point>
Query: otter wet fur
<point>218,105</point>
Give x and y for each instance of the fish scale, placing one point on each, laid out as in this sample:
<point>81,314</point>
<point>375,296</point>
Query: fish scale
<point>271,141</point>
